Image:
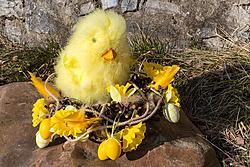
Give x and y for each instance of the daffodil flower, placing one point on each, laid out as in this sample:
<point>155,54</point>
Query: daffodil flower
<point>161,76</point>
<point>152,69</point>
<point>118,92</point>
<point>39,112</point>
<point>71,122</point>
<point>132,136</point>
<point>165,77</point>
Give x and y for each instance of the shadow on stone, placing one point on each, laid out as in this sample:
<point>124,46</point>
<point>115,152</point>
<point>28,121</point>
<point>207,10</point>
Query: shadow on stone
<point>159,131</point>
<point>216,101</point>
<point>56,141</point>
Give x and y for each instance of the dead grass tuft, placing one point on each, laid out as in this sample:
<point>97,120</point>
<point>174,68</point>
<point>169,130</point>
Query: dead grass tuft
<point>15,62</point>
<point>215,94</point>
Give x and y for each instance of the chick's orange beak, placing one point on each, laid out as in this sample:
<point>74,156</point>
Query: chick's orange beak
<point>109,55</point>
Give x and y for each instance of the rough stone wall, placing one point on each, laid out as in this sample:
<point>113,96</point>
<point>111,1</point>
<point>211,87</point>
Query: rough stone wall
<point>32,22</point>
<point>179,22</point>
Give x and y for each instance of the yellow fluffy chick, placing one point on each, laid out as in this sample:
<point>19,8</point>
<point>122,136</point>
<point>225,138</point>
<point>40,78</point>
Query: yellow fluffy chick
<point>96,56</point>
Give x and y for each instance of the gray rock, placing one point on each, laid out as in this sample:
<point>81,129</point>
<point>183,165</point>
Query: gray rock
<point>37,21</point>
<point>179,23</point>
<point>106,4</point>
<point>13,30</point>
<point>10,8</point>
<point>129,5</point>
<point>49,20</point>
<point>238,20</point>
<point>86,8</point>
<point>156,5</point>
<point>243,2</point>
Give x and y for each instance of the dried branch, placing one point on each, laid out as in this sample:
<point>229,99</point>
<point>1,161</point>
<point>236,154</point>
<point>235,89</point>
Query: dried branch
<point>144,115</point>
<point>102,110</point>
<point>99,114</point>
<point>129,122</point>
<point>53,96</point>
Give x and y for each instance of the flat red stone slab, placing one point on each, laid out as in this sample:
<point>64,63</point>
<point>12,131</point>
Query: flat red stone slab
<point>165,144</point>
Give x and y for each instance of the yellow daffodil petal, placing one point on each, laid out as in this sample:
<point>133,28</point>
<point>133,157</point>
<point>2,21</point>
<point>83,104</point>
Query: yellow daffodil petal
<point>39,112</point>
<point>70,122</point>
<point>130,92</point>
<point>119,89</point>
<point>125,88</point>
<point>39,85</point>
<point>168,96</point>
<point>118,92</point>
<point>118,135</point>
<point>133,136</point>
<point>115,94</point>
<point>152,69</point>
<point>171,95</point>
<point>165,77</point>
<point>122,89</point>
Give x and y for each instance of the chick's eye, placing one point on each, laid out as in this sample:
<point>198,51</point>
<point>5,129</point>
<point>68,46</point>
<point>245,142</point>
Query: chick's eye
<point>94,40</point>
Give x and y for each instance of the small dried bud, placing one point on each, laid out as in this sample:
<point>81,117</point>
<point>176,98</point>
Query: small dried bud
<point>133,106</point>
<point>51,105</point>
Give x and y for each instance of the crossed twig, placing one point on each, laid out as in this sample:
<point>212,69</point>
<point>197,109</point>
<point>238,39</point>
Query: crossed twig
<point>133,120</point>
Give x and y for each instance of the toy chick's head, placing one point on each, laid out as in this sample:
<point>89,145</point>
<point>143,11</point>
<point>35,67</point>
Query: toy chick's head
<point>97,56</point>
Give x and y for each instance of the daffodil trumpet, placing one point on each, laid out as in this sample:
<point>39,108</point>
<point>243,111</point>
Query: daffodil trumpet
<point>161,76</point>
<point>163,80</point>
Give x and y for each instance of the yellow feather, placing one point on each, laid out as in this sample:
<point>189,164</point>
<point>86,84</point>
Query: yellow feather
<point>39,85</point>
<point>81,70</point>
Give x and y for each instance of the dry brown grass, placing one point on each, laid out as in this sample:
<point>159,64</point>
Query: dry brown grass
<point>215,94</point>
<point>16,61</point>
